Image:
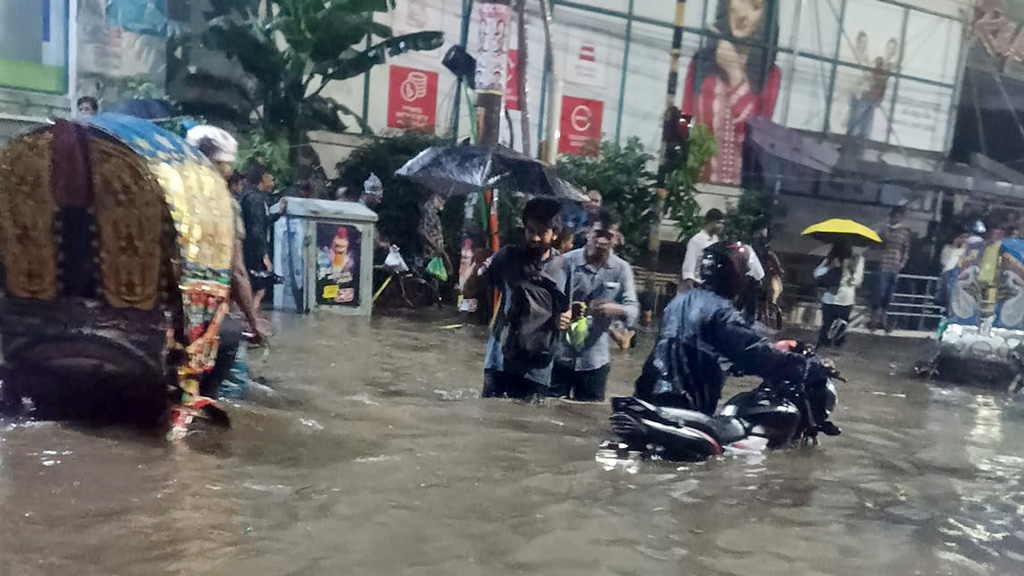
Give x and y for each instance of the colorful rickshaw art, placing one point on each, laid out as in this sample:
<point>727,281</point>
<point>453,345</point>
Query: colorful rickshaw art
<point>981,340</point>
<point>116,243</point>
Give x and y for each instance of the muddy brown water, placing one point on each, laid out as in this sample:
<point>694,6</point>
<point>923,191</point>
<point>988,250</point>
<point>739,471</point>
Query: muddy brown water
<point>374,455</point>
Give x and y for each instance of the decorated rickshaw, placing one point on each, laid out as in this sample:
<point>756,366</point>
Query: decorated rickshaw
<point>981,340</point>
<point>116,242</point>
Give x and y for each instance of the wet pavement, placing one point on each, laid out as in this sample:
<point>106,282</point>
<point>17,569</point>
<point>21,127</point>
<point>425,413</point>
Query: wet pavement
<point>374,455</point>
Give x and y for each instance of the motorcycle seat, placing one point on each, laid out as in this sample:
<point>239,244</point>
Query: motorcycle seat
<point>724,429</point>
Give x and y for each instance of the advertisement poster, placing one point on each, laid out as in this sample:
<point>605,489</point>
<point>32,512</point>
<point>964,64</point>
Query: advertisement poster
<point>412,99</point>
<point>732,78</point>
<point>581,126</point>
<point>512,83</point>
<point>989,110</point>
<point>492,57</point>
<point>584,62</point>
<point>337,264</point>
<point>33,45</point>
<point>148,17</point>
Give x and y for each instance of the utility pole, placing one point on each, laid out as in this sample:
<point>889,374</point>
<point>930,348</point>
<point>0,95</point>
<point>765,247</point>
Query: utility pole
<point>554,96</point>
<point>491,67</point>
<point>521,70</point>
<point>654,241</point>
<point>794,41</point>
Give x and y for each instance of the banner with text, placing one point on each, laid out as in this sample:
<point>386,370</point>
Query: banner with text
<point>412,99</point>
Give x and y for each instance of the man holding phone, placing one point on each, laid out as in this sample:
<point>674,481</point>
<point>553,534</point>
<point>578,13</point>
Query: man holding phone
<point>602,290</point>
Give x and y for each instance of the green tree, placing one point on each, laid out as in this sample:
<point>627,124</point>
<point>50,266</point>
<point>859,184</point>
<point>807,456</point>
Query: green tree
<point>748,214</point>
<point>399,211</point>
<point>622,175</point>
<point>290,51</point>
<point>681,203</point>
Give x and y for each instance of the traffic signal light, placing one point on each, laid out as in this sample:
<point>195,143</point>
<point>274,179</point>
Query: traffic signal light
<point>676,136</point>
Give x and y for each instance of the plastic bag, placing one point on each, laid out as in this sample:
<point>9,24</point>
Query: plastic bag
<point>436,267</point>
<point>576,335</point>
<point>394,260</point>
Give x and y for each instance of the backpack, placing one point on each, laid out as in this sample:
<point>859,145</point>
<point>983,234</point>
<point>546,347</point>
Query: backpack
<point>531,325</point>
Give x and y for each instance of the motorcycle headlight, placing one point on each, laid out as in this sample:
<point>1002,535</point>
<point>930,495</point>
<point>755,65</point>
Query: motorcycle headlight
<point>831,396</point>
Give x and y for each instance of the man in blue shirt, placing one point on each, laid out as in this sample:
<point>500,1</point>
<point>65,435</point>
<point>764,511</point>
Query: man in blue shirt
<point>507,270</point>
<point>602,290</point>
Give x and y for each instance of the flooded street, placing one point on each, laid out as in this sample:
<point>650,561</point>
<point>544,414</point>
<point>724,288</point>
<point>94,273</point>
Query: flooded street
<point>375,455</point>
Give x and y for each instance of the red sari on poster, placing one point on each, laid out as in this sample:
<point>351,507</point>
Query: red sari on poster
<point>725,109</point>
<point>412,99</point>
<point>512,81</point>
<point>581,126</point>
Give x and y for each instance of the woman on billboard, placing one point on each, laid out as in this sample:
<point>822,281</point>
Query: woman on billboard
<point>733,78</point>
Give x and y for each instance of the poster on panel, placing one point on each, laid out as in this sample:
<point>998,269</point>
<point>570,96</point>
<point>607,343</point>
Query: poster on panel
<point>732,78</point>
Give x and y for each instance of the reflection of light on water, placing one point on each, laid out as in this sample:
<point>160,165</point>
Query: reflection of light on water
<point>975,532</point>
<point>987,432</point>
<point>613,460</point>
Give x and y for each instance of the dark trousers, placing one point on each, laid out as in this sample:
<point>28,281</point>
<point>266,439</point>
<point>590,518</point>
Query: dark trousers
<point>230,340</point>
<point>886,289</point>
<point>582,385</point>
<point>500,384</point>
<point>830,314</point>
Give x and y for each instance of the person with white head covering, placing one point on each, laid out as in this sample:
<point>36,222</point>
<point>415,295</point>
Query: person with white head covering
<point>221,148</point>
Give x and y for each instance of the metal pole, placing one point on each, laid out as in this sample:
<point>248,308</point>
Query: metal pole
<point>72,52</point>
<point>625,73</point>
<point>654,240</point>
<point>794,44</point>
<point>554,86</point>
<point>366,86</point>
<point>467,7</point>
<point>835,67</point>
<point>896,82</point>
<point>521,71</point>
<point>958,83</point>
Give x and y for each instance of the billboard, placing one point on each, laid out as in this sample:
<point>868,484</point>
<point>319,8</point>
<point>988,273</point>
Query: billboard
<point>33,45</point>
<point>991,106</point>
<point>734,77</point>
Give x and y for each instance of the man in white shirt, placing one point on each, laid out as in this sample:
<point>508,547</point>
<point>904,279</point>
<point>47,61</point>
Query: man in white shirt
<point>714,223</point>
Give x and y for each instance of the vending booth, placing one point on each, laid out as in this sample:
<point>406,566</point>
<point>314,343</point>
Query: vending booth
<point>324,252</point>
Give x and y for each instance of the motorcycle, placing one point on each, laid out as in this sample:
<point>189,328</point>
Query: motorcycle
<point>773,415</point>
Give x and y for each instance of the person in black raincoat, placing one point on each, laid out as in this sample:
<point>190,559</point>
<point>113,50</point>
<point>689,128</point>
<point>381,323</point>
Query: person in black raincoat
<point>704,338</point>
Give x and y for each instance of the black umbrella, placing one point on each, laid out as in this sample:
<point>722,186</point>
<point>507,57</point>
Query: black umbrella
<point>460,170</point>
<point>147,108</point>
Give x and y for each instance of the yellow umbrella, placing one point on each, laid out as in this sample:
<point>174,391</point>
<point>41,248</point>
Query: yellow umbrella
<point>837,229</point>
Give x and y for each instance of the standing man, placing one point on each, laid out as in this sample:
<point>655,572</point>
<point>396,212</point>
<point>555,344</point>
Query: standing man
<point>896,240</point>
<point>517,271</point>
<point>257,226</point>
<point>600,283</point>
<point>591,208</point>
<point>714,224</point>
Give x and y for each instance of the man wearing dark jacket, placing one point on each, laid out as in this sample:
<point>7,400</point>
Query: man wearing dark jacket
<point>704,337</point>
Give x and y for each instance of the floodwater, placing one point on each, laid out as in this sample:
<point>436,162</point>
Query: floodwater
<point>374,455</point>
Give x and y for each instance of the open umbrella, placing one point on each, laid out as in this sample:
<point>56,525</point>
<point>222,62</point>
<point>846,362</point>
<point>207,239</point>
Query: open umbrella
<point>837,229</point>
<point>147,108</point>
<point>460,170</point>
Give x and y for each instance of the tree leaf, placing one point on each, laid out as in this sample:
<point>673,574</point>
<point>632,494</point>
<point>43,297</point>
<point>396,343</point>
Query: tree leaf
<point>361,62</point>
<point>321,113</point>
<point>250,44</point>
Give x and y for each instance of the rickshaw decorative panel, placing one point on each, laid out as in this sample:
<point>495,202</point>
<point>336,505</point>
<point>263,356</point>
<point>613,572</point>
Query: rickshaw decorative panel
<point>27,218</point>
<point>129,211</point>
